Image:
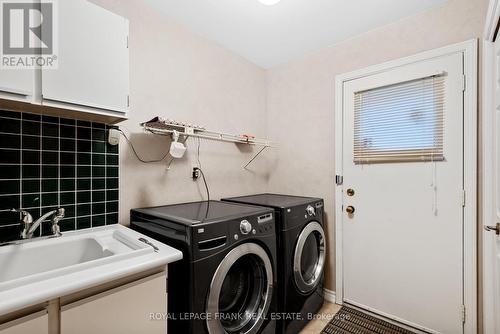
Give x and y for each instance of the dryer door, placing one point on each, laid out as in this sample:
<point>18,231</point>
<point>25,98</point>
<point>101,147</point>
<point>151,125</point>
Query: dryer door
<point>309,257</point>
<point>241,291</point>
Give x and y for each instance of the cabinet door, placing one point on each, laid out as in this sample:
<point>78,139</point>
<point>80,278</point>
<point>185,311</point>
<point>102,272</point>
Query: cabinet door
<point>120,311</point>
<point>35,324</point>
<point>17,84</point>
<point>93,61</point>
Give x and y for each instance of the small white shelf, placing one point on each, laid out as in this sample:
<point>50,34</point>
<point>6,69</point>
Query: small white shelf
<point>166,127</point>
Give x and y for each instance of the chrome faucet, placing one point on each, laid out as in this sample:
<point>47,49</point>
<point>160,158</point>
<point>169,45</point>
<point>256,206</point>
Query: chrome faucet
<point>26,220</point>
<point>30,226</point>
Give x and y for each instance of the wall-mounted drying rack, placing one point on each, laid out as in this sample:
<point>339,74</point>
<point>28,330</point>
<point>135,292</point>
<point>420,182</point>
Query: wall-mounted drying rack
<point>167,127</point>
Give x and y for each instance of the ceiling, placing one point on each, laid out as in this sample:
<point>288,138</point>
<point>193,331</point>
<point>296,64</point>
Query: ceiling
<point>272,35</point>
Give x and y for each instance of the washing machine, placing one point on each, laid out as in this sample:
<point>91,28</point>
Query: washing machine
<point>301,256</point>
<point>226,281</point>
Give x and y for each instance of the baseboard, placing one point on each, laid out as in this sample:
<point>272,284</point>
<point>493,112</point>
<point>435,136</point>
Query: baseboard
<point>329,295</point>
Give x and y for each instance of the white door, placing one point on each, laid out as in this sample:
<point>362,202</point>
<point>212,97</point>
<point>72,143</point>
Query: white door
<point>402,246</point>
<point>93,59</point>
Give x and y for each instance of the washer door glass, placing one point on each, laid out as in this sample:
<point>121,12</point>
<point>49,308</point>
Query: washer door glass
<point>309,257</point>
<point>240,292</point>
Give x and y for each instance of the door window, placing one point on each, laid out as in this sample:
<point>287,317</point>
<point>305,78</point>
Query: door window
<point>400,122</point>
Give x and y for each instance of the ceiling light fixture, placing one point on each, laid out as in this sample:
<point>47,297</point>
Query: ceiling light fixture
<point>269,2</point>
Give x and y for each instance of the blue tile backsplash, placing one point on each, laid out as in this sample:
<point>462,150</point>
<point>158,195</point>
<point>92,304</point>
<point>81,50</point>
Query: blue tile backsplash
<point>49,162</point>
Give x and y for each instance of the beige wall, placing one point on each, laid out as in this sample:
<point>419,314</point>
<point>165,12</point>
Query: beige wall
<point>301,97</point>
<point>177,74</point>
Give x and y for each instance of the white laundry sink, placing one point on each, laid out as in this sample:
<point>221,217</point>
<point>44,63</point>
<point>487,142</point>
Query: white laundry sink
<point>18,261</point>
<point>35,260</point>
<point>36,271</point>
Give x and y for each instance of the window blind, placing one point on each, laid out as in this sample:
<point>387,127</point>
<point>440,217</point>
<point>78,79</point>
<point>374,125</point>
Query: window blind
<point>400,122</point>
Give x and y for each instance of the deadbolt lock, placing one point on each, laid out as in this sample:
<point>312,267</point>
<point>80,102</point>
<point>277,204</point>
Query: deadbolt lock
<point>350,209</point>
<point>350,192</point>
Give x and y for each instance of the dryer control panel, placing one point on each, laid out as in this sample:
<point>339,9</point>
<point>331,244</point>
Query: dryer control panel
<point>297,215</point>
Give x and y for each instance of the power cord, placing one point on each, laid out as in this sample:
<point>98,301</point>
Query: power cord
<point>198,169</point>
<point>137,155</point>
<point>198,154</point>
<point>195,170</point>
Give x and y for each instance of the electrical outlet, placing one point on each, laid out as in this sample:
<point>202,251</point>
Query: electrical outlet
<point>196,173</point>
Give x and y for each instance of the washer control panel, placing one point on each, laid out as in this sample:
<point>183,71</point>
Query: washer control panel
<point>251,226</point>
<point>265,218</point>
<point>266,223</point>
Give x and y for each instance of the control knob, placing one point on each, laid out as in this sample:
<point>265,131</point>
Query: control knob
<point>245,227</point>
<point>310,210</point>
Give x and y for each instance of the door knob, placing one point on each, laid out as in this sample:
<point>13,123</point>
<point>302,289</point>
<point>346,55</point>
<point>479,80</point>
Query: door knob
<point>350,209</point>
<point>495,228</point>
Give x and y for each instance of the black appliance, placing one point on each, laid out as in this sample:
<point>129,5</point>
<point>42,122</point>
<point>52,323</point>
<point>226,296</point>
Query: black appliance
<point>301,255</point>
<point>226,281</point>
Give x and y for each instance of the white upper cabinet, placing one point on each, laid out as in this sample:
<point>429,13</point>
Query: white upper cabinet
<point>16,81</point>
<point>93,61</point>
<point>16,84</point>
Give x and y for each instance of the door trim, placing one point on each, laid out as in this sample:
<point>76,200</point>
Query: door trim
<point>489,133</point>
<point>488,189</point>
<point>469,50</point>
<point>492,20</point>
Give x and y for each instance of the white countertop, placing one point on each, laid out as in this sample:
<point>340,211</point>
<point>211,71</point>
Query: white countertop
<point>42,287</point>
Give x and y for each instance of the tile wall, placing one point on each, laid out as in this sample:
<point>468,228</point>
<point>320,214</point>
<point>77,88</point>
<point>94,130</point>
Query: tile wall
<point>50,162</point>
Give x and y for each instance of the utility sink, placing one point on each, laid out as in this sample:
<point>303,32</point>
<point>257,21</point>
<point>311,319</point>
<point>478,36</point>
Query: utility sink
<point>38,270</point>
<point>19,262</point>
<point>35,260</point>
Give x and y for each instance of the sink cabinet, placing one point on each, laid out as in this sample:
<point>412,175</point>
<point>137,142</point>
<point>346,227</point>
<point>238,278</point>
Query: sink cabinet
<point>123,306</point>
<point>37,323</point>
<point>119,311</point>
